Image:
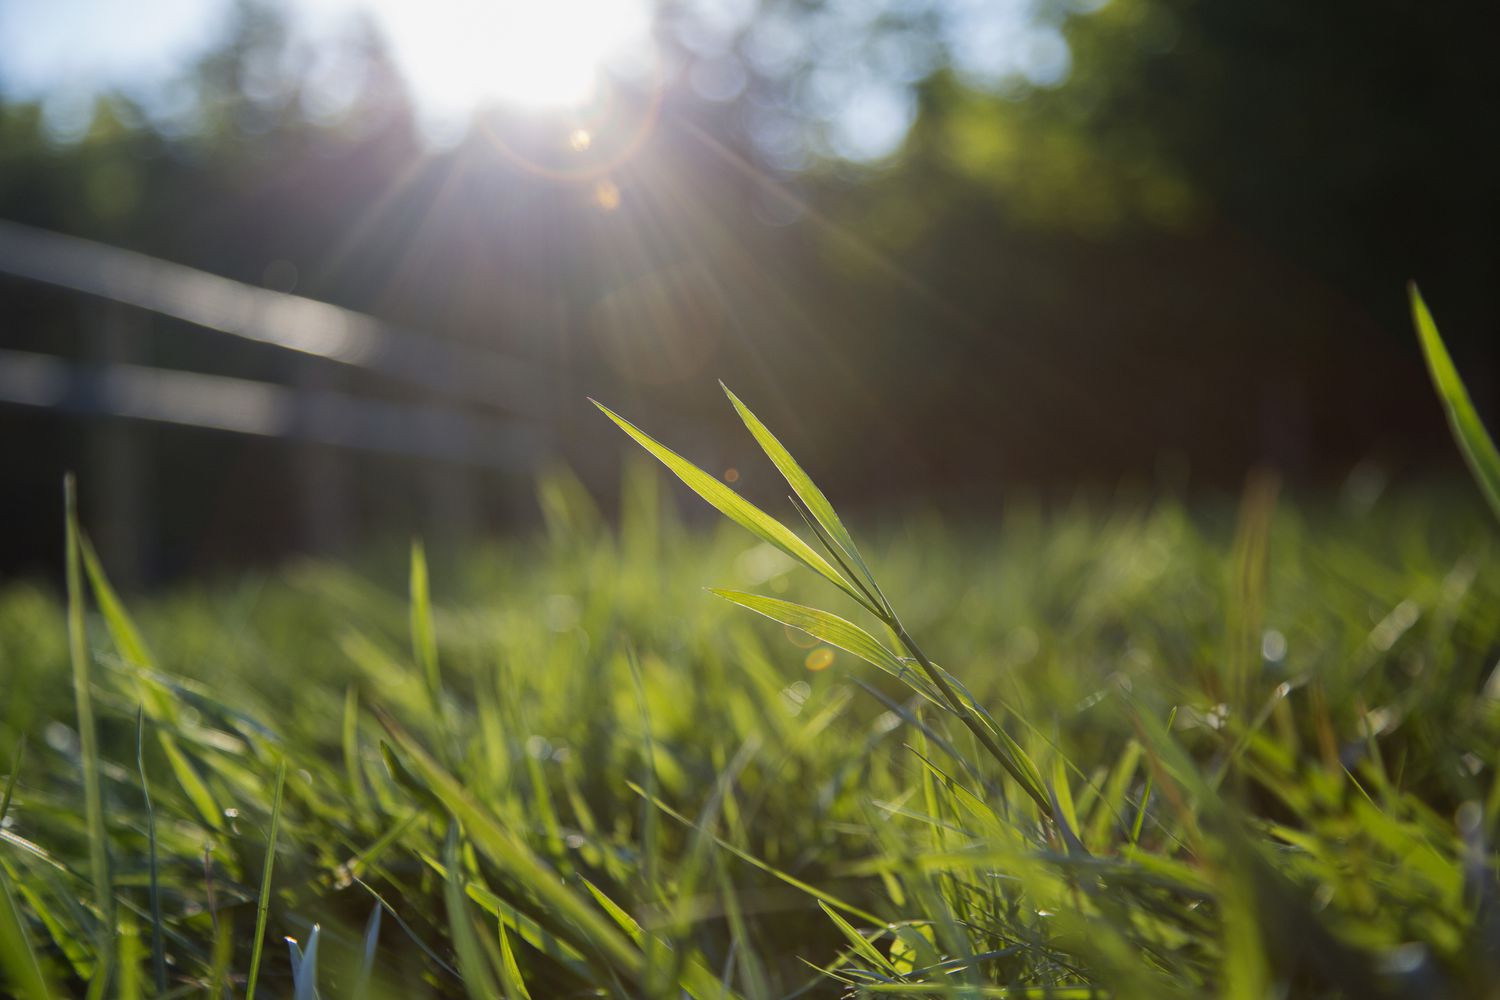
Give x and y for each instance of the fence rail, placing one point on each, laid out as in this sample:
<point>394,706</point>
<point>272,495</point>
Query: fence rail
<point>243,406</point>
<point>280,319</point>
<point>474,410</point>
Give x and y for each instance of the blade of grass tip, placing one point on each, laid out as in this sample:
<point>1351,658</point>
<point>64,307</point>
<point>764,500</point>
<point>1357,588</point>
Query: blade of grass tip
<point>127,638</point>
<point>88,740</point>
<point>158,953</point>
<point>1473,440</point>
<point>305,978</point>
<point>510,973</point>
<point>10,781</point>
<point>478,982</point>
<point>130,958</point>
<point>18,959</point>
<point>735,507</point>
<point>263,904</point>
<point>860,943</point>
<point>367,957</point>
<point>423,637</point>
<point>809,493</point>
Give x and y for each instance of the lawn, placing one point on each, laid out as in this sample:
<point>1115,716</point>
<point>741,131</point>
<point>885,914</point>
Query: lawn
<point>1263,732</point>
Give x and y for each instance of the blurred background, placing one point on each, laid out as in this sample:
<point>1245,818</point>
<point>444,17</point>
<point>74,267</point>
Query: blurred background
<point>284,276</point>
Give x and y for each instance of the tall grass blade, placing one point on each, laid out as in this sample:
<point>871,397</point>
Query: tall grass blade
<point>1473,440</point>
<point>835,631</point>
<point>694,978</point>
<point>10,781</point>
<point>755,862</point>
<point>88,740</point>
<point>478,982</point>
<point>802,484</point>
<point>263,904</point>
<point>860,943</point>
<point>130,960</point>
<point>305,967</point>
<point>158,952</point>
<point>737,508</point>
<point>18,958</point>
<point>510,852</point>
<point>127,638</point>
<point>423,636</point>
<point>191,781</point>
<point>511,980</point>
<point>412,935</point>
<point>1140,814</point>
<point>366,971</point>
<point>349,740</point>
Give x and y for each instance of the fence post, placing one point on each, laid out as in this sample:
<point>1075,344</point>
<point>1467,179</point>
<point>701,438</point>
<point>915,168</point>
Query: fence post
<point>116,478</point>
<point>322,473</point>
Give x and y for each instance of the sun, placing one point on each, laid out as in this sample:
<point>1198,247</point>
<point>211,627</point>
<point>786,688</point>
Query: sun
<point>459,55</point>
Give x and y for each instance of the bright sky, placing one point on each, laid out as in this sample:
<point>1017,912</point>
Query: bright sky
<point>457,55</point>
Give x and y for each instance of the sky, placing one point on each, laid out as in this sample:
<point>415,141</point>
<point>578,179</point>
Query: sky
<point>458,55</point>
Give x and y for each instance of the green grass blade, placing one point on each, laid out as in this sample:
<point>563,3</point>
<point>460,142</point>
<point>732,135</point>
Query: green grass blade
<point>130,959</point>
<point>263,904</point>
<point>158,953</point>
<point>695,979</point>
<point>835,631</point>
<point>191,781</point>
<point>349,742</point>
<point>802,484</point>
<point>10,781</point>
<point>1473,440</point>
<point>305,976</point>
<point>412,935</point>
<point>737,508</point>
<point>88,738</point>
<point>18,959</point>
<point>1140,814</point>
<point>860,943</point>
<point>479,983</point>
<point>423,636</point>
<point>511,980</point>
<point>127,638</point>
<point>750,859</point>
<point>627,923</point>
<point>507,850</point>
<point>366,972</point>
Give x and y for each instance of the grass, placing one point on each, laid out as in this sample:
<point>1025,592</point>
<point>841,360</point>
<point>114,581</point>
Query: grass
<point>1242,752</point>
<point>655,795</point>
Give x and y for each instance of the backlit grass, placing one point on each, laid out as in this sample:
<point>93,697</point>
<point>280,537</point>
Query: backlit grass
<point>597,777</point>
